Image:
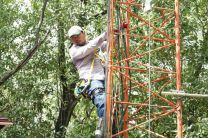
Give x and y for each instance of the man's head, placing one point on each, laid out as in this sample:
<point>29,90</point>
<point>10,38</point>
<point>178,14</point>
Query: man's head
<point>77,35</point>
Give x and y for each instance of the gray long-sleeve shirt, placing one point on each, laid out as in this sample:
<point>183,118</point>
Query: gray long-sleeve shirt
<point>82,57</point>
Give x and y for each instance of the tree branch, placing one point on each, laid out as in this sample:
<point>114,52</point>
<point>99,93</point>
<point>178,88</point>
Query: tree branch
<point>38,43</point>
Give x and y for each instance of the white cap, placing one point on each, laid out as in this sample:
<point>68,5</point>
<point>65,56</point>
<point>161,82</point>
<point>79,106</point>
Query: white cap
<point>74,30</point>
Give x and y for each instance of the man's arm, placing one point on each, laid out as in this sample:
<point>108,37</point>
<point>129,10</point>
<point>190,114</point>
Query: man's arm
<point>115,41</point>
<point>83,51</point>
<point>104,46</point>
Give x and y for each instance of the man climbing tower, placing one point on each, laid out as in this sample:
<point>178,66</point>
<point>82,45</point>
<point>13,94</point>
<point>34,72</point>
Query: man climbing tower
<point>91,71</point>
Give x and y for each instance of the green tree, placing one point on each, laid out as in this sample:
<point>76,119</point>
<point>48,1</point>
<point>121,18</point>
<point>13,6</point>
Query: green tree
<point>37,77</point>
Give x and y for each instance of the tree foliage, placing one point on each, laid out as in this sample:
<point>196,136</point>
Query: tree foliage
<point>40,92</point>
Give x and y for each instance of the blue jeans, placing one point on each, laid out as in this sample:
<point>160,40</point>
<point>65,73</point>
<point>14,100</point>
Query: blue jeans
<point>97,92</point>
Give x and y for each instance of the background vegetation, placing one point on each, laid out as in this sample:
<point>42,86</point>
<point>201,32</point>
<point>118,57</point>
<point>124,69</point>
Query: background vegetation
<point>37,78</point>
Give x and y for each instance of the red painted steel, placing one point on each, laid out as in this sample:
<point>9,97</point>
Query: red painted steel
<point>127,72</point>
<point>109,73</point>
<point>178,70</point>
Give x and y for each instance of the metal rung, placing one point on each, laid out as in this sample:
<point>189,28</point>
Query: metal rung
<point>183,94</point>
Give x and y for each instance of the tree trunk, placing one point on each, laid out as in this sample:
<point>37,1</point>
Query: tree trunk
<point>68,100</point>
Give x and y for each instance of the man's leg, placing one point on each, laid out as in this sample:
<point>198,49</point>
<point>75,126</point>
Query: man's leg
<point>99,101</point>
<point>97,93</point>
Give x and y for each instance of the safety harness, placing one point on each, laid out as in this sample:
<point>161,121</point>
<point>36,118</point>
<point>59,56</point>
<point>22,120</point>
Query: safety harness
<point>83,85</point>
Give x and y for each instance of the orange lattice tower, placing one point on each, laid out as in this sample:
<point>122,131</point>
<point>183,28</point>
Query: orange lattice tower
<point>143,62</point>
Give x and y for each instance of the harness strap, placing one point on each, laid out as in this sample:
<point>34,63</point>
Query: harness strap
<point>83,92</point>
<point>91,68</point>
<point>101,57</point>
